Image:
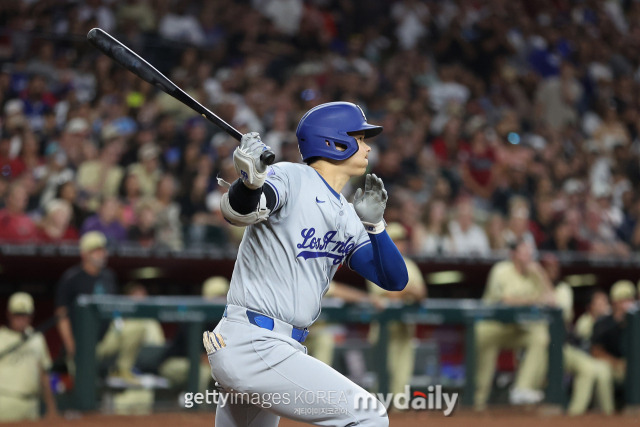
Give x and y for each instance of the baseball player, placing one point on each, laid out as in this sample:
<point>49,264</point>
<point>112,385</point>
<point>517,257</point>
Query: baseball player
<point>300,230</point>
<point>24,365</point>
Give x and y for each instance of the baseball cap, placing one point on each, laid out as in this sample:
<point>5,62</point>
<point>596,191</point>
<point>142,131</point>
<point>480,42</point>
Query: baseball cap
<point>77,125</point>
<point>20,303</point>
<point>622,290</point>
<point>14,106</point>
<point>92,240</point>
<point>216,286</point>
<point>148,151</point>
<point>396,231</point>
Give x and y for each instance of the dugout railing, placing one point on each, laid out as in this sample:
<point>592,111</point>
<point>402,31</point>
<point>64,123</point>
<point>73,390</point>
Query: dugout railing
<point>92,310</point>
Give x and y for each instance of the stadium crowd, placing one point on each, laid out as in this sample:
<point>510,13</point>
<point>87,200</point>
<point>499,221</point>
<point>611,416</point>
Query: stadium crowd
<point>518,119</point>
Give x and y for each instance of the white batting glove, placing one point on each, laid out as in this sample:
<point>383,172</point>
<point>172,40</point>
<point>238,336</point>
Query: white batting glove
<point>370,204</point>
<point>246,159</point>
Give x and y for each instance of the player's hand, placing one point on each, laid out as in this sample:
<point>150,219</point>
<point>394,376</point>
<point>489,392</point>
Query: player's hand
<point>370,204</point>
<point>246,159</point>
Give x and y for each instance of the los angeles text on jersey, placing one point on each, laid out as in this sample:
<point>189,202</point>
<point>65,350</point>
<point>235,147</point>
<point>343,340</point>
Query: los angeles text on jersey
<point>324,246</point>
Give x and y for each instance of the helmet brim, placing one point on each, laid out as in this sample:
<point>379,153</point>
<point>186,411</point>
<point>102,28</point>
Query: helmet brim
<point>369,130</point>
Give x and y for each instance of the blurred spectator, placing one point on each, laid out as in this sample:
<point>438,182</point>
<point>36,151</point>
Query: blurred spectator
<point>55,227</point>
<point>107,221</point>
<point>143,232</point>
<point>478,167</point>
<point>501,108</point>
<point>495,230</point>
<point>74,141</point>
<point>566,235</point>
<point>37,101</point>
<point>285,14</point>
<point>432,237</point>
<point>601,235</point>
<point>517,281</point>
<point>90,277</point>
<point>557,98</point>
<point>130,194</point>
<point>608,331</point>
<point>542,224</point>
<point>598,306</point>
<point>611,131</point>
<point>195,212</point>
<point>138,12</point>
<point>518,223</point>
<point>181,26</point>
<point>148,170</point>
<point>24,365</point>
<point>467,237</point>
<point>15,224</point>
<point>102,13</point>
<point>53,174</point>
<point>9,166</point>
<point>169,230</point>
<point>121,338</point>
<point>100,177</point>
<point>67,191</point>
<point>29,158</point>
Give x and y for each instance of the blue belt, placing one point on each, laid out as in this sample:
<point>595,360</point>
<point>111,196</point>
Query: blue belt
<point>267,322</point>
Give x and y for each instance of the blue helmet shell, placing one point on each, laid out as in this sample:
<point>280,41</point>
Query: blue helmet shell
<point>327,124</point>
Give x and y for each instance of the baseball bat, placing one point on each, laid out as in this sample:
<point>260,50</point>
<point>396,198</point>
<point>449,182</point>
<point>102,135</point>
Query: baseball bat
<point>130,60</point>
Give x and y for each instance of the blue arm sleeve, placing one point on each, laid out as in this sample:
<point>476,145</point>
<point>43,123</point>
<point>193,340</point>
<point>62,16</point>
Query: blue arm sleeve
<point>381,262</point>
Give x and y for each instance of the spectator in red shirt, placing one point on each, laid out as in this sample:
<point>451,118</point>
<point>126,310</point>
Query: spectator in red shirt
<point>478,161</point>
<point>15,225</point>
<point>447,145</point>
<point>29,157</point>
<point>55,226</point>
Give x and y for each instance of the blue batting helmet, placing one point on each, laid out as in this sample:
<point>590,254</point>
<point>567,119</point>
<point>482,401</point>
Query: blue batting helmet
<point>326,125</point>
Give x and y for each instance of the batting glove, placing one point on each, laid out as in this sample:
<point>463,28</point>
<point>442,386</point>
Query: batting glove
<point>370,204</point>
<point>246,159</point>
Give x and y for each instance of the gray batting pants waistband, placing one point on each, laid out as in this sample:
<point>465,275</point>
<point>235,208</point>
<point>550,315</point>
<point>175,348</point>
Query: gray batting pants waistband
<point>239,313</point>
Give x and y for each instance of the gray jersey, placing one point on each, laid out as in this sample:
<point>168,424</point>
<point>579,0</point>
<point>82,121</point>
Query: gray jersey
<point>285,264</point>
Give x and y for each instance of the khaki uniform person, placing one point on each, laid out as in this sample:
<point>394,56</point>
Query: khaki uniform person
<point>608,331</point>
<point>598,306</point>
<point>401,350</point>
<point>518,281</point>
<point>23,368</point>
<point>176,364</point>
<point>587,371</point>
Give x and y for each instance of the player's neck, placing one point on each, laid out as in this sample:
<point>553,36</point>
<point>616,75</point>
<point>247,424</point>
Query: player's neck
<point>333,174</point>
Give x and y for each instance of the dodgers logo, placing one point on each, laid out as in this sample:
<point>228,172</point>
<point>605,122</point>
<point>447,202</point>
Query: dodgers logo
<point>325,246</point>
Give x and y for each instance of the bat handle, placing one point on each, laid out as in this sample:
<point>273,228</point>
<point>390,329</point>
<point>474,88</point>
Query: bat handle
<point>267,158</point>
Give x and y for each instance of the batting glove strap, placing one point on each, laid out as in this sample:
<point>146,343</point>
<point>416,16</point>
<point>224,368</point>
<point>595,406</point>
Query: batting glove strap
<point>246,159</point>
<point>375,228</point>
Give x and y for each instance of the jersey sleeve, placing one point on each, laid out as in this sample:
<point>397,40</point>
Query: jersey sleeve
<point>494,291</point>
<point>362,239</point>
<point>283,179</point>
<point>44,356</point>
<point>380,262</point>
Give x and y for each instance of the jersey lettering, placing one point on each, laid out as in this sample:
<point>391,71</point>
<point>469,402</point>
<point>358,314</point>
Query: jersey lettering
<point>335,249</point>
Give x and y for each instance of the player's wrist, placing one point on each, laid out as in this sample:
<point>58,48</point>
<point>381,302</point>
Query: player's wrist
<point>374,228</point>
